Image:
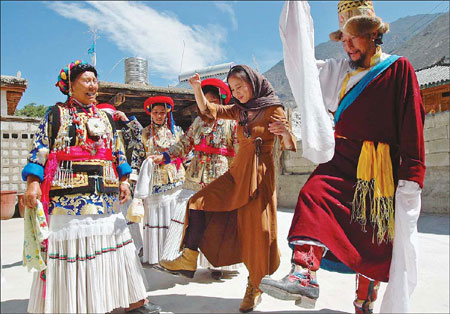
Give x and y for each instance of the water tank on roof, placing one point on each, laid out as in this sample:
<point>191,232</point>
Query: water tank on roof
<point>136,71</point>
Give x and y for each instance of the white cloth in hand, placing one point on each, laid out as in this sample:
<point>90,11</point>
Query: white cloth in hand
<point>404,264</point>
<point>143,189</point>
<point>297,34</point>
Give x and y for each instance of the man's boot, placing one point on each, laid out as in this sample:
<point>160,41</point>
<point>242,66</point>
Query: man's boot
<point>251,299</point>
<point>185,264</point>
<point>366,294</point>
<point>300,284</point>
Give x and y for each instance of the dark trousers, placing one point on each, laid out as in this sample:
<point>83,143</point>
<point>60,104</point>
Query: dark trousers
<point>195,229</point>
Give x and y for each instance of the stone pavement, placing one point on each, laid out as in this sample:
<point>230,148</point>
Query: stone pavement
<point>205,295</point>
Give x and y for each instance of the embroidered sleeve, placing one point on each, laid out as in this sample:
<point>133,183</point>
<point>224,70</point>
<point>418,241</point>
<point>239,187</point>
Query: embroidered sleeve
<point>233,126</point>
<point>185,142</point>
<point>120,160</point>
<point>138,156</point>
<point>39,151</point>
<point>132,133</point>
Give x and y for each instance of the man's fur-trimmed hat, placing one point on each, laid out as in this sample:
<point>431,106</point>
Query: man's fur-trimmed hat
<point>356,18</point>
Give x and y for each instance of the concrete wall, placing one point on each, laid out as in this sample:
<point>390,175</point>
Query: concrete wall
<point>295,170</point>
<point>16,137</point>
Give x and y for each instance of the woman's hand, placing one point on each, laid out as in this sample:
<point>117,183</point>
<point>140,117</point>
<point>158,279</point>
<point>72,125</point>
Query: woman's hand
<point>119,115</point>
<point>157,159</point>
<point>279,127</point>
<point>33,192</point>
<point>124,192</point>
<point>195,81</point>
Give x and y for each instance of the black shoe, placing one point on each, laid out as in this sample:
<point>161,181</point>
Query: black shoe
<point>148,308</point>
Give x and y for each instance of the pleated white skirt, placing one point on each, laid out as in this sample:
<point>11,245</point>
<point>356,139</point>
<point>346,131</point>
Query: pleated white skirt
<point>159,209</point>
<point>92,267</point>
<point>175,233</point>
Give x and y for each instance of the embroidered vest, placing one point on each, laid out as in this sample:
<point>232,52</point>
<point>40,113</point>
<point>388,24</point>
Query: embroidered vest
<point>79,170</point>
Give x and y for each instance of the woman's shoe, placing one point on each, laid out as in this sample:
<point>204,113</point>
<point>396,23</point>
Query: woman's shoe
<point>185,264</point>
<point>251,299</point>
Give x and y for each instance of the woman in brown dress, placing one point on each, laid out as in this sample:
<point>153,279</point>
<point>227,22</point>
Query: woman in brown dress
<point>234,219</point>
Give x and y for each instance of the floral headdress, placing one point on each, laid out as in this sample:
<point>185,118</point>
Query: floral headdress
<point>63,82</point>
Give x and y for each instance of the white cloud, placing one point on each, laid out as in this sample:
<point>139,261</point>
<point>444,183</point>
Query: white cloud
<point>228,9</point>
<point>140,30</point>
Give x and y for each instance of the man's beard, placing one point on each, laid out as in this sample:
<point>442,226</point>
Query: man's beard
<point>357,63</point>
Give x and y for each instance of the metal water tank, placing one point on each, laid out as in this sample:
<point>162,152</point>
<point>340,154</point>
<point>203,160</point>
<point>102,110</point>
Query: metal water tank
<point>136,71</point>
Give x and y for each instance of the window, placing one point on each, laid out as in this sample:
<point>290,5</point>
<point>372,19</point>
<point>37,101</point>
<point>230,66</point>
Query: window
<point>24,136</point>
<point>446,94</point>
<point>14,135</point>
<point>5,135</point>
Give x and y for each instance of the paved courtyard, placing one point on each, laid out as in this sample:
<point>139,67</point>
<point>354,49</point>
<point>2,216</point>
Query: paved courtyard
<point>205,295</point>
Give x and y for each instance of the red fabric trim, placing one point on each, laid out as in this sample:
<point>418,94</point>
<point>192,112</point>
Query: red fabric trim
<point>213,150</point>
<point>79,154</point>
<point>106,106</point>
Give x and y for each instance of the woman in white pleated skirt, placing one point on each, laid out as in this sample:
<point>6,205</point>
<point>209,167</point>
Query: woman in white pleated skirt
<point>160,204</point>
<point>78,170</point>
<point>213,145</point>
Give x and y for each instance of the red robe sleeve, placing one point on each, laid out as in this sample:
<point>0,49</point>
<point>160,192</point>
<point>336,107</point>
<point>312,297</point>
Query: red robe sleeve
<point>410,127</point>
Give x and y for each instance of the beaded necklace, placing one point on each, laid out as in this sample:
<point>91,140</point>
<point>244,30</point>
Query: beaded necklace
<point>81,132</point>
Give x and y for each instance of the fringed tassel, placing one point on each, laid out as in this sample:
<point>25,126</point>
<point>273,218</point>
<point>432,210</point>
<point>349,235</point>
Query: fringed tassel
<point>374,191</point>
<point>363,192</point>
<point>364,185</point>
<point>382,219</point>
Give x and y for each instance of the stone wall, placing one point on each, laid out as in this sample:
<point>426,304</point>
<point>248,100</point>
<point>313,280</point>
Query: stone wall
<point>295,170</point>
<point>16,137</point>
<point>436,190</point>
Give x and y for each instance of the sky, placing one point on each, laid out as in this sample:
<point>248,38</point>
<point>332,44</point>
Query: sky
<point>39,38</point>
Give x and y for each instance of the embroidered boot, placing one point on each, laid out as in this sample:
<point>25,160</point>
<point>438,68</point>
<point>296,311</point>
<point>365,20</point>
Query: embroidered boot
<point>300,284</point>
<point>366,294</point>
<point>251,299</point>
<point>185,264</point>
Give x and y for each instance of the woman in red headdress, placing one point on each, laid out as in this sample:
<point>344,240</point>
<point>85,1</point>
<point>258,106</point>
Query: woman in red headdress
<point>160,202</point>
<point>213,145</point>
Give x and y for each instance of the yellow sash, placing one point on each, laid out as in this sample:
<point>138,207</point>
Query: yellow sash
<point>375,190</point>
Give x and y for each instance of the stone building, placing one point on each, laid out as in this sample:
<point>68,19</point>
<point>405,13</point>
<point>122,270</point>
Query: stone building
<point>434,84</point>
<point>12,88</point>
<point>16,134</point>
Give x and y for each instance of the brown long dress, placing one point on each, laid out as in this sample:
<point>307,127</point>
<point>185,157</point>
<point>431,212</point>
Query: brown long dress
<point>241,205</point>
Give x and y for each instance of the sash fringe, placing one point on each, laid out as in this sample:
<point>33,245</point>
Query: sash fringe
<point>374,191</point>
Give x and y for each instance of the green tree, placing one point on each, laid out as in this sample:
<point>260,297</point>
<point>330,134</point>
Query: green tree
<point>32,110</point>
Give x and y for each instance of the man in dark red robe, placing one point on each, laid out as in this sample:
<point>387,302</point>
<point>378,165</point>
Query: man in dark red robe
<point>344,218</point>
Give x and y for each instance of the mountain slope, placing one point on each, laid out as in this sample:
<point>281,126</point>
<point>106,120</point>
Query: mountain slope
<point>423,39</point>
